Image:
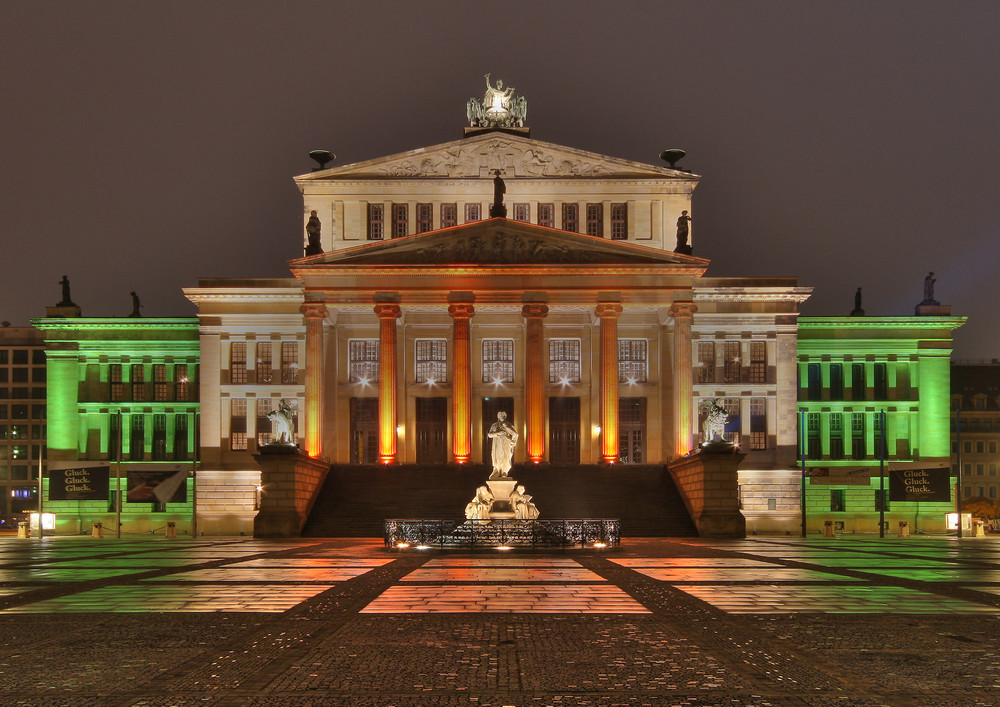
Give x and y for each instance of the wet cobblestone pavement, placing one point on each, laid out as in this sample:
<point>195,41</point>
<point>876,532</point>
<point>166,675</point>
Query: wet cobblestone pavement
<point>751,623</point>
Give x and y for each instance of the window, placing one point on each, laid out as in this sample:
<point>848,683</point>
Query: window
<point>400,220</point>
<point>564,360</point>
<point>37,412</point>
<point>160,383</point>
<point>180,437</point>
<point>758,424</point>
<point>182,385</point>
<point>731,362</point>
<point>836,381</point>
<point>425,217</point>
<point>473,212</point>
<point>837,500</point>
<point>498,360</point>
<point>993,447</point>
<point>38,357</point>
<point>571,217</point>
<point>757,372</point>
<point>836,435</point>
<point>238,424</point>
<point>522,212</point>
<point>19,412</point>
<point>815,382</point>
<point>547,215</point>
<point>706,362</point>
<point>980,447</point>
<point>881,382</point>
<point>432,361</point>
<point>858,383</point>
<point>619,222</point>
<point>138,382</point>
<point>289,362</point>
<point>363,360</point>
<point>265,363</point>
<point>115,382</point>
<point>264,432</point>
<point>19,375</point>
<point>858,450</point>
<point>137,438</point>
<point>449,215</point>
<point>20,357</point>
<point>979,402</point>
<point>980,469</point>
<point>4,357</point>
<point>37,375</point>
<point>595,220</point>
<point>813,446</point>
<point>376,222</point>
<point>238,362</point>
<point>159,437</point>
<point>632,360</point>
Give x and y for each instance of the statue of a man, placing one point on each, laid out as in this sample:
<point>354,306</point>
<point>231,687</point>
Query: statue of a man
<point>857,311</point>
<point>504,438</point>
<point>313,229</point>
<point>66,300</point>
<point>136,305</point>
<point>682,230</point>
<point>524,509</point>
<point>497,100</point>
<point>929,288</point>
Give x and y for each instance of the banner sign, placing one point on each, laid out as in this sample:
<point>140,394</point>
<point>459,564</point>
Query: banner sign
<point>164,485</point>
<point>912,484</point>
<point>90,483</point>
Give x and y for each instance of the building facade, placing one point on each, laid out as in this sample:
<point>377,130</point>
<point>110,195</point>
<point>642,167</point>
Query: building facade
<point>975,393</point>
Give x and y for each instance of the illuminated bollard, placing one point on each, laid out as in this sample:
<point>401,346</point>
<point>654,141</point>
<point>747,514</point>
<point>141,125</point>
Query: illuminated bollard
<point>23,531</point>
<point>980,528</point>
<point>97,530</point>
<point>827,528</point>
<point>904,528</point>
<point>171,529</point>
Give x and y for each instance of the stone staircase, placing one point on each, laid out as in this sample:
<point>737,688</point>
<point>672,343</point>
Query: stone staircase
<point>355,500</point>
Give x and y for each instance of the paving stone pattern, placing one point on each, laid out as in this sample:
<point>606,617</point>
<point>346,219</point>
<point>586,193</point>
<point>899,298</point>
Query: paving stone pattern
<point>316,622</point>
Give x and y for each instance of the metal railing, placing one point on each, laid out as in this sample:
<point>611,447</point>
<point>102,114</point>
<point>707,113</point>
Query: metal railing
<point>566,533</point>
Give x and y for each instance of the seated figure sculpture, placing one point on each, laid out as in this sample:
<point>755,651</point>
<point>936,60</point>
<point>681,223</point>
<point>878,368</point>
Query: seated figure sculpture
<point>480,506</point>
<point>524,509</point>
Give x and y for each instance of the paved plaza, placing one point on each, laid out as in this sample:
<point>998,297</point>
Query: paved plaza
<point>148,621</point>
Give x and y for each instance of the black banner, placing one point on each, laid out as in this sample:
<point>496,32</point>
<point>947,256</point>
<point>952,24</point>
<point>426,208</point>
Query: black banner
<point>920,484</point>
<point>82,484</point>
<point>159,486</point>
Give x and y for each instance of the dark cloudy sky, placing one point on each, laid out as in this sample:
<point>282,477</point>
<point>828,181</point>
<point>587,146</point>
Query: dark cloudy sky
<point>144,145</point>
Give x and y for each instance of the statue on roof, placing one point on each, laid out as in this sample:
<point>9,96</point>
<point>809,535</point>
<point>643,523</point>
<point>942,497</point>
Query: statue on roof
<point>929,289</point>
<point>136,305</point>
<point>66,301</point>
<point>858,310</point>
<point>499,108</point>
<point>313,233</point>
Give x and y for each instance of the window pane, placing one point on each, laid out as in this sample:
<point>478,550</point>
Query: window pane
<point>595,220</point>
<point>431,360</point>
<point>363,365</point>
<point>632,361</point>
<point>564,361</point>
<point>498,360</point>
<point>571,217</point>
<point>547,215</point>
<point>619,222</point>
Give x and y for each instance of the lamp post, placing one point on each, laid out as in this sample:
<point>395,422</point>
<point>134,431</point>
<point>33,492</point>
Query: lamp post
<point>881,476</point>
<point>958,472</point>
<point>802,454</point>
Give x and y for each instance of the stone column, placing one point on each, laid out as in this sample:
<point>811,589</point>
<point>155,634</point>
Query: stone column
<point>534,382</point>
<point>461,401</point>
<point>314,312</point>
<point>608,313</point>
<point>682,312</point>
<point>388,313</point>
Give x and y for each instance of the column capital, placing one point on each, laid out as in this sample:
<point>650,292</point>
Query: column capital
<point>608,310</point>
<point>388,310</point>
<point>682,309</point>
<point>534,310</point>
<point>461,310</point>
<point>313,310</point>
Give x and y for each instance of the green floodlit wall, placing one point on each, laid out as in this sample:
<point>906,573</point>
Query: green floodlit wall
<point>62,386</point>
<point>935,403</point>
<point>860,514</point>
<point>78,515</point>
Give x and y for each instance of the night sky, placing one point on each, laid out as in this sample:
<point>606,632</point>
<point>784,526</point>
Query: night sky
<point>851,144</point>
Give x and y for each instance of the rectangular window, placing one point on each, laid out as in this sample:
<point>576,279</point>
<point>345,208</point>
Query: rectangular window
<point>858,450</point>
<point>619,222</point>
<point>815,382</point>
<point>859,385</point>
<point>632,360</point>
<point>264,432</point>
<point>758,423</point>
<point>757,371</point>
<point>37,375</point>
<point>836,435</point>
<point>138,382</point>
<point>449,215</point>
<point>473,212</point>
<point>182,385</point>
<point>238,424</point>
<point>265,362</point>
<point>595,220</point>
<point>137,438</point>
<point>564,360</point>
<point>376,222</point>
<point>400,220</point>
<point>159,437</point>
<point>522,212</point>
<point>813,448</point>
<point>836,381</point>
<point>238,362</point>
<point>731,362</point>
<point>432,360</point>
<point>289,362</point>
<point>425,217</point>
<point>20,357</point>
<point>837,500</point>
<point>881,382</point>
<point>571,217</point>
<point>180,437</point>
<point>363,360</point>
<point>547,215</point>
<point>498,360</point>
<point>116,393</point>
<point>38,357</point>
<point>706,362</point>
<point>19,375</point>
<point>160,383</point>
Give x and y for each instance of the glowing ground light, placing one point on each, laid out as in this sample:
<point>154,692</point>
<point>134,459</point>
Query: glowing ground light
<point>503,547</point>
<point>403,545</point>
<point>423,547</point>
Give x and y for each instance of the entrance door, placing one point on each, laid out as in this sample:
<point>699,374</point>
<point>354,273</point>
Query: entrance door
<point>491,406</point>
<point>631,430</point>
<point>564,430</point>
<point>432,430</point>
<point>364,430</point>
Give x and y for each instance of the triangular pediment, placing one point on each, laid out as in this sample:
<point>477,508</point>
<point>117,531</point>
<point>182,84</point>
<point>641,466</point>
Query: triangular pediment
<point>477,156</point>
<point>499,242</point>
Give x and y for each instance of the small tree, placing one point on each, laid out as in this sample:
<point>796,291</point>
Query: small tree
<point>981,507</point>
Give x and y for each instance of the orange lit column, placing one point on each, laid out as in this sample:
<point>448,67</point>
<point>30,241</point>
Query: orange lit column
<point>608,313</point>
<point>388,313</point>
<point>461,402</point>
<point>314,312</point>
<point>682,312</point>
<point>534,388</point>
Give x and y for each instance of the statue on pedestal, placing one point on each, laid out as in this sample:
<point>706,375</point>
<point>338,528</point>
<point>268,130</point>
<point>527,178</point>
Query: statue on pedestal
<point>857,311</point>
<point>282,424</point>
<point>480,506</point>
<point>929,289</point>
<point>313,230</point>
<point>683,230</point>
<point>715,423</point>
<point>499,108</point>
<point>136,305</point>
<point>66,301</point>
<point>504,438</point>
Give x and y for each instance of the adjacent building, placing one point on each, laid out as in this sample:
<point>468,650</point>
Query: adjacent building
<point>975,393</point>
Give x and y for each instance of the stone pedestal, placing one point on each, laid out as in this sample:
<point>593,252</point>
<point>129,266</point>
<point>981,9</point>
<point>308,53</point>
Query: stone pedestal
<point>501,490</point>
<point>290,479</point>
<point>932,309</point>
<point>708,483</point>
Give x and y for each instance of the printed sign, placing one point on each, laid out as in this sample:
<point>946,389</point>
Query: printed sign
<point>157,486</point>
<point>914,484</point>
<point>79,484</point>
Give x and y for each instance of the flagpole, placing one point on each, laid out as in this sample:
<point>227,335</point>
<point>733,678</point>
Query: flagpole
<point>881,478</point>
